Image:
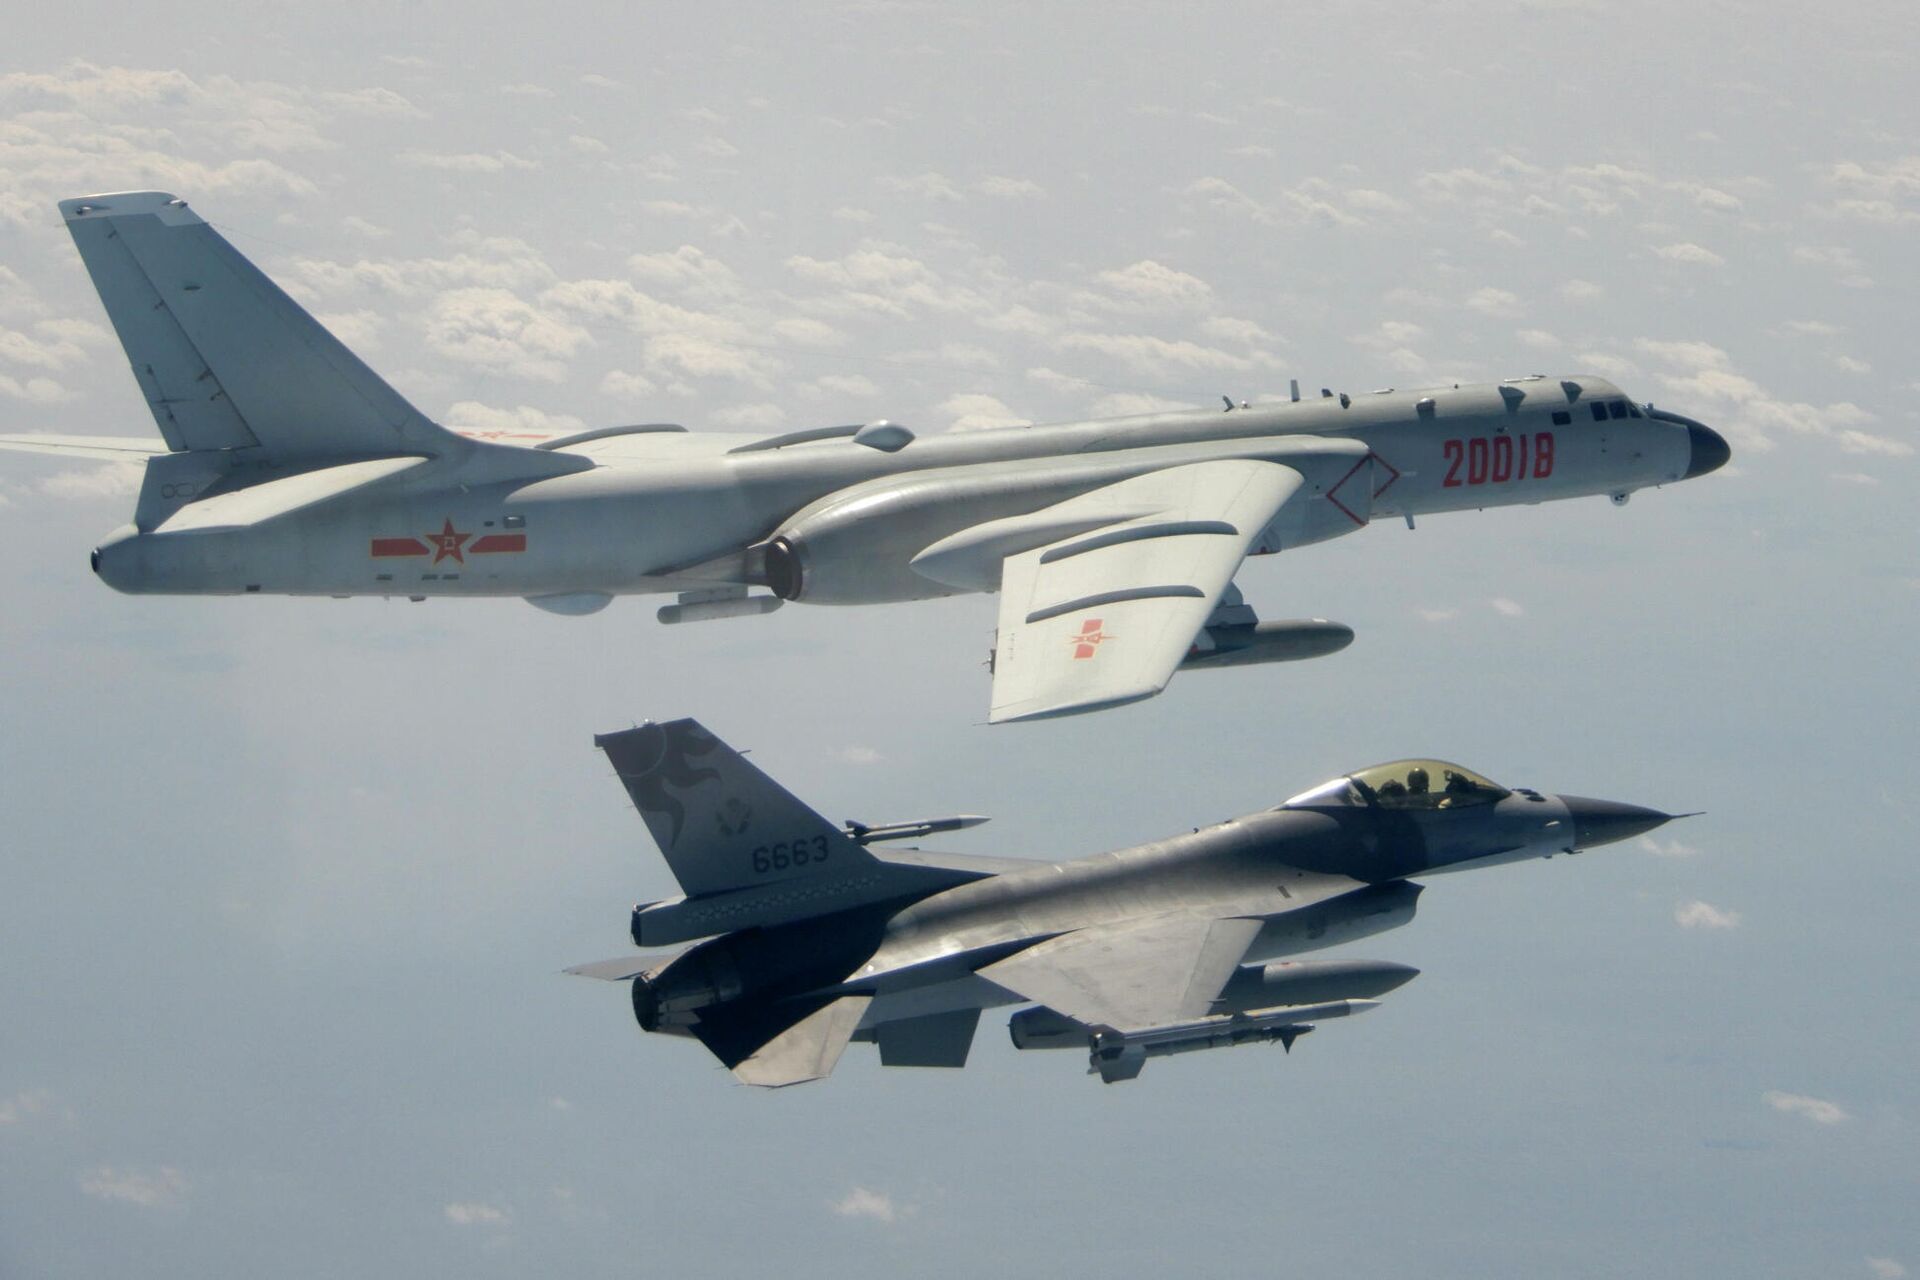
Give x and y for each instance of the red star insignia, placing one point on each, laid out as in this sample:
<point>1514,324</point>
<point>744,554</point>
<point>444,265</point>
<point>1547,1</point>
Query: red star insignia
<point>448,543</point>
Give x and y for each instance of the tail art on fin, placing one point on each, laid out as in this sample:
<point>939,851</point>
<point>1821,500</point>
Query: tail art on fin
<point>225,358</point>
<point>721,823</point>
<point>745,851</point>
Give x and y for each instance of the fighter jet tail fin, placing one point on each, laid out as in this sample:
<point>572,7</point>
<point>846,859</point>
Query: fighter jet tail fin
<point>226,359</point>
<point>744,849</point>
<point>722,824</point>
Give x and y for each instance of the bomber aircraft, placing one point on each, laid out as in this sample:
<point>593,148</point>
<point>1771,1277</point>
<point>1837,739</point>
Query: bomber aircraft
<point>287,466</point>
<point>814,939</point>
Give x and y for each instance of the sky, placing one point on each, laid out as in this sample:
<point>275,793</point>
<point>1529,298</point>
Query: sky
<point>287,885</point>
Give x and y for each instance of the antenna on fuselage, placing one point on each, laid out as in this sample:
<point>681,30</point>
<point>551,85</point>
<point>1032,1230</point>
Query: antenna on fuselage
<point>1293,387</point>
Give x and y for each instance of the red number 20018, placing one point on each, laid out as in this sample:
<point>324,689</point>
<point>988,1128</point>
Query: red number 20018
<point>1498,460</point>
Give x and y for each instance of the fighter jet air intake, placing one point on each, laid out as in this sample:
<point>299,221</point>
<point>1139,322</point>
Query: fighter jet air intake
<point>815,939</point>
<point>287,466</point>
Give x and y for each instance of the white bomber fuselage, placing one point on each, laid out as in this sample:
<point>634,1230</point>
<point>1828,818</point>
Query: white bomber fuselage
<point>673,511</point>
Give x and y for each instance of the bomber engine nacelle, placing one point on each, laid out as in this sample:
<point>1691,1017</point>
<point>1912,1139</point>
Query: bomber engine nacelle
<point>857,546</point>
<point>939,532</point>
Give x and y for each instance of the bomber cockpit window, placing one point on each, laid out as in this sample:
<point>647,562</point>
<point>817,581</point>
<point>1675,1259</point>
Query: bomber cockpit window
<point>1426,784</point>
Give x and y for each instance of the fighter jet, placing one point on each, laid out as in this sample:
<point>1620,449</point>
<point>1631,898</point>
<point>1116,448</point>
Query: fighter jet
<point>287,466</point>
<point>813,938</point>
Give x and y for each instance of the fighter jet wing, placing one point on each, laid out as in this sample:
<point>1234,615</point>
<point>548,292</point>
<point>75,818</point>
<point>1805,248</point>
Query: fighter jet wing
<point>1101,618</point>
<point>98,448</point>
<point>1130,976</point>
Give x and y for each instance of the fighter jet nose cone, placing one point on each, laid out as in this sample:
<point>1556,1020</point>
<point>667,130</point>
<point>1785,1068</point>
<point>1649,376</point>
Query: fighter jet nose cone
<point>1598,822</point>
<point>1709,450</point>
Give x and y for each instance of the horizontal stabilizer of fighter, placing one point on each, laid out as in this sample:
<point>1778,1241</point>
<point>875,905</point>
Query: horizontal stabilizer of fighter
<point>621,968</point>
<point>865,833</point>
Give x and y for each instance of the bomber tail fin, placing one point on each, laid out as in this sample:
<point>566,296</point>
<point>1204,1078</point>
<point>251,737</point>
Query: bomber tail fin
<point>226,360</point>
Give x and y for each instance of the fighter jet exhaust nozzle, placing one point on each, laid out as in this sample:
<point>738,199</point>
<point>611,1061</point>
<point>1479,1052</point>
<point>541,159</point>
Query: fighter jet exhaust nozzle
<point>702,977</point>
<point>1598,822</point>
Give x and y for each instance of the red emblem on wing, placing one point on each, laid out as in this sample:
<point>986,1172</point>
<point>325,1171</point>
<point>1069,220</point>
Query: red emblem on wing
<point>1088,642</point>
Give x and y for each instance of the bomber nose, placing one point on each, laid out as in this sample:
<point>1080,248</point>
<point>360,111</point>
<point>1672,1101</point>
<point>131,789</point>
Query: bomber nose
<point>1708,450</point>
<point>1597,822</point>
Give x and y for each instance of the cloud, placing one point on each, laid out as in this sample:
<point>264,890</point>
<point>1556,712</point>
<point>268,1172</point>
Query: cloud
<point>162,1188</point>
<point>627,386</point>
<point>1310,203</point>
<point>845,384</point>
<point>1506,608</point>
<point>976,412</point>
<point>1494,302</point>
<point>1120,404</point>
<point>496,330</point>
<point>22,1106</point>
<point>1704,915</point>
<point>474,1213</point>
<point>1002,188</point>
<point>1886,1269</point>
<point>1818,1110</point>
<point>1157,356</point>
<point>1436,615</point>
<point>1582,291</point>
<point>687,270</point>
<point>41,391</point>
<point>464,162</point>
<point>497,262</point>
<point>1691,254</point>
<point>474,417</point>
<point>1844,262</point>
<point>927,186</point>
<point>1701,371</point>
<point>859,755</point>
<point>1149,281</point>
<point>862,1203</point>
<point>1668,848</point>
<point>751,417</point>
<point>90,484</point>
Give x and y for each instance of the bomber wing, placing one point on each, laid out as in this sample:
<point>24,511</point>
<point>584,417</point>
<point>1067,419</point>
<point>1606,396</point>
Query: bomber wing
<point>95,448</point>
<point>1135,974</point>
<point>1104,617</point>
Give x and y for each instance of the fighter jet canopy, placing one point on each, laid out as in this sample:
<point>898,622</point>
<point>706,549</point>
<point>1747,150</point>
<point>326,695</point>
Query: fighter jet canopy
<point>1403,784</point>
